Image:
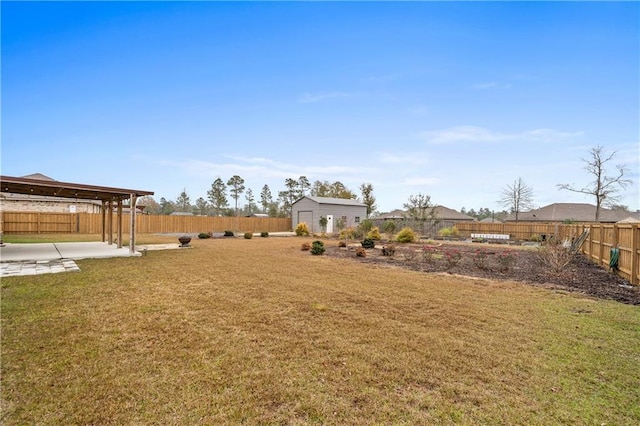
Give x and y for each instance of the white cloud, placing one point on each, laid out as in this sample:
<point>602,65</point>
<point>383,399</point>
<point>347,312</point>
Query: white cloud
<point>476,134</point>
<point>309,98</point>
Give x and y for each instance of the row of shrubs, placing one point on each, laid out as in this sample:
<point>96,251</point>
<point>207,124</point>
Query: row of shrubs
<point>367,231</point>
<point>247,235</point>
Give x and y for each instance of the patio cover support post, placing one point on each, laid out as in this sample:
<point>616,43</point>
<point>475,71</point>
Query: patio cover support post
<point>132,224</point>
<point>103,216</point>
<point>110,222</point>
<point>119,223</point>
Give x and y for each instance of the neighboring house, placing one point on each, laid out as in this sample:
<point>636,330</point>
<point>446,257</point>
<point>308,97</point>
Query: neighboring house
<point>490,220</point>
<point>310,209</point>
<point>573,212</point>
<point>38,203</point>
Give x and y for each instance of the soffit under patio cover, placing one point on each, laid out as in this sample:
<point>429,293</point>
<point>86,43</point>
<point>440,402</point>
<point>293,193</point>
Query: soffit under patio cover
<point>52,188</point>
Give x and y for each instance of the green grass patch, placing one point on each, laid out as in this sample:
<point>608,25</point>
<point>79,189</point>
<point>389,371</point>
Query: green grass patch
<point>262,333</point>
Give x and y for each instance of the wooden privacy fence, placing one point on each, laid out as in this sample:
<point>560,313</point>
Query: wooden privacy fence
<point>597,247</point>
<point>91,223</point>
<point>518,231</point>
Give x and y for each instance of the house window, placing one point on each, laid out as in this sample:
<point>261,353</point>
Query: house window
<point>357,219</point>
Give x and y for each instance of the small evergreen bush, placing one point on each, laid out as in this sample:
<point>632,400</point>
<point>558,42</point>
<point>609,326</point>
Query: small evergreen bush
<point>317,248</point>
<point>302,229</point>
<point>228,233</point>
<point>264,234</point>
<point>406,235</point>
<point>204,235</point>
<point>248,235</point>
<point>368,243</point>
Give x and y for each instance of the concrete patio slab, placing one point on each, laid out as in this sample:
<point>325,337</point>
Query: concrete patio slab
<point>51,251</point>
<point>46,258</point>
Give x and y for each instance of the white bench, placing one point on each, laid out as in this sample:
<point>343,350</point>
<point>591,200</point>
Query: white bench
<point>491,236</point>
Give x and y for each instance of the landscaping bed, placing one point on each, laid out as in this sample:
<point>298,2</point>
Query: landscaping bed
<point>501,263</point>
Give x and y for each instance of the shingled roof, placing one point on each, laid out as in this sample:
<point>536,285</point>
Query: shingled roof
<point>578,212</point>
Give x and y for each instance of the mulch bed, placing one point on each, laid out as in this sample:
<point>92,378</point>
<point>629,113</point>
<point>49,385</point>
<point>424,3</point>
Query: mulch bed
<point>525,265</point>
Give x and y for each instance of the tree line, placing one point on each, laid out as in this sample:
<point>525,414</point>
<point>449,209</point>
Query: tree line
<point>245,202</point>
<point>516,197</point>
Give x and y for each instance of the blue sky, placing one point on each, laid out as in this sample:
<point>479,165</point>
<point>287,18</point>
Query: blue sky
<point>455,100</point>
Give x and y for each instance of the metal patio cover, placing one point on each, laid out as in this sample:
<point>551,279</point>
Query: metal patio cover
<point>19,185</point>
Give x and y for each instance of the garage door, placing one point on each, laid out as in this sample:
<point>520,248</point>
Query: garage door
<point>307,217</point>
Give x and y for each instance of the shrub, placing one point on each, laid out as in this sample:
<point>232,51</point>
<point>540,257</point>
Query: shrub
<point>248,235</point>
<point>388,250</point>
<point>361,252</point>
<point>374,234</point>
<point>453,257</point>
<point>365,226</point>
<point>342,243</point>
<point>264,234</point>
<point>323,223</point>
<point>204,235</point>
<point>554,255</point>
<point>349,233</point>
<point>427,253</point>
<point>506,260</point>
<point>228,233</point>
<point>317,248</point>
<point>536,238</point>
<point>409,254</point>
<point>305,247</point>
<point>406,235</point>
<point>389,227</point>
<point>302,229</point>
<point>480,259</point>
<point>368,243</point>
<point>448,232</point>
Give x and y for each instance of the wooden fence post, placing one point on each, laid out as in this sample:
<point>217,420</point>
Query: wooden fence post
<point>590,242</point>
<point>634,254</point>
<point>601,247</point>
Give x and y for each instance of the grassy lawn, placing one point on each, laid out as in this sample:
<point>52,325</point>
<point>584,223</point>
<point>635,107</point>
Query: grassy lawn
<point>259,332</point>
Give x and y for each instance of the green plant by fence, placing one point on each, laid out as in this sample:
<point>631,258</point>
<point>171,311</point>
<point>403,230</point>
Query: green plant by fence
<point>91,223</point>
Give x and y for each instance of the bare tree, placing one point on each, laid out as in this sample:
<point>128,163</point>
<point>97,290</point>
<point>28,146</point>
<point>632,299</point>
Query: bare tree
<point>517,197</point>
<point>604,187</point>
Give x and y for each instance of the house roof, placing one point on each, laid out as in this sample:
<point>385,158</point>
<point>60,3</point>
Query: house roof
<point>490,220</point>
<point>54,188</point>
<point>439,212</point>
<point>579,212</point>
<point>336,201</point>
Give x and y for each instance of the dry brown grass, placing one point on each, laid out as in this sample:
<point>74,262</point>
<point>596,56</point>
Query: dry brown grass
<point>259,332</point>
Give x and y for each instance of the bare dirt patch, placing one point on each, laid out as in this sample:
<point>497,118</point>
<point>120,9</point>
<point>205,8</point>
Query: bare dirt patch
<point>499,262</point>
